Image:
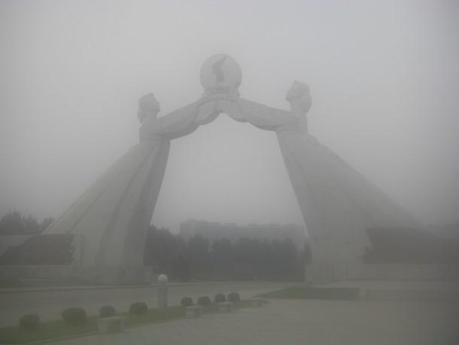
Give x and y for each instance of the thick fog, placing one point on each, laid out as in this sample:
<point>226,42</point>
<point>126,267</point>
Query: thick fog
<point>384,79</point>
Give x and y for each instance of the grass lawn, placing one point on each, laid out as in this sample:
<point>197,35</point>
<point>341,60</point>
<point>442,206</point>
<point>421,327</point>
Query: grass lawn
<point>60,329</point>
<point>302,292</point>
<point>47,330</point>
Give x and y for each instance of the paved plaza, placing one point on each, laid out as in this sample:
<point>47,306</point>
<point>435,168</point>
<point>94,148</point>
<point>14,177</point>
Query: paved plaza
<point>294,322</point>
<point>389,319</point>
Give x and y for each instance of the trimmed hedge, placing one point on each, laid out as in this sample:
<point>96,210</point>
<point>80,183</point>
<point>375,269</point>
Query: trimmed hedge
<point>138,308</point>
<point>234,297</point>
<point>75,316</point>
<point>204,301</point>
<point>29,321</point>
<point>107,311</point>
<point>219,298</point>
<point>186,301</point>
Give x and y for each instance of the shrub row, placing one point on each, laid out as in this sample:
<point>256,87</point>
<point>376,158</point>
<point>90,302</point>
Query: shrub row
<point>205,300</point>
<point>29,321</point>
<point>219,298</point>
<point>75,316</point>
<point>138,308</point>
<point>186,301</point>
<point>78,316</point>
<point>234,297</point>
<point>107,311</point>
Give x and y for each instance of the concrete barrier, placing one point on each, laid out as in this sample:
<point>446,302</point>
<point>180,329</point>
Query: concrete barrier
<point>193,311</point>
<point>324,272</point>
<point>224,307</point>
<point>110,324</point>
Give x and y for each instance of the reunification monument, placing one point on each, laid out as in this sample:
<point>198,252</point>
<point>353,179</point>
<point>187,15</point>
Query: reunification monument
<point>109,221</point>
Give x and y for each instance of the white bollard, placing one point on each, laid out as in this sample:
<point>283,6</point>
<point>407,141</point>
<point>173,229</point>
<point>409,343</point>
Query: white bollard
<point>162,291</point>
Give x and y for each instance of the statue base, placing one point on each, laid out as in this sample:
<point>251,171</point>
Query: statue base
<point>328,272</point>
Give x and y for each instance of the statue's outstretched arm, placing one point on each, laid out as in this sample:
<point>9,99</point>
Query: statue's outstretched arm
<point>187,119</point>
<point>257,114</point>
<point>180,122</point>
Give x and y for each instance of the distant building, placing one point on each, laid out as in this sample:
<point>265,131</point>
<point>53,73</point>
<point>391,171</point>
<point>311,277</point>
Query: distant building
<point>11,241</point>
<point>215,231</point>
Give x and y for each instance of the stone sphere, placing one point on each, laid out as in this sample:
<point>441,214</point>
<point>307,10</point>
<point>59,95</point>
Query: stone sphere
<point>220,74</point>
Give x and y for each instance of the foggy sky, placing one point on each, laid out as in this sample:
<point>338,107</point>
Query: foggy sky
<point>383,74</point>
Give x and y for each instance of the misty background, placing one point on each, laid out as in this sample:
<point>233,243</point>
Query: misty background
<point>384,79</point>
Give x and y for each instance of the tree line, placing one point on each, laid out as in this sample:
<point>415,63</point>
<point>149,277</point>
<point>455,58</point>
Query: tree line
<point>197,258</point>
<point>15,223</point>
<point>222,259</point>
<point>237,259</point>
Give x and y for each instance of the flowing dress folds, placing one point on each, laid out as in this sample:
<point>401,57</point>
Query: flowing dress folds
<point>337,203</point>
<point>109,221</point>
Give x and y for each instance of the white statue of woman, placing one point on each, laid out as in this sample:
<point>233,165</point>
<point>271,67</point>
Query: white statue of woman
<point>338,204</point>
<point>111,218</point>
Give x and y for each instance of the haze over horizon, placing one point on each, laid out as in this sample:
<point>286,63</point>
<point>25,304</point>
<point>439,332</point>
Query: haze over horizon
<point>384,80</point>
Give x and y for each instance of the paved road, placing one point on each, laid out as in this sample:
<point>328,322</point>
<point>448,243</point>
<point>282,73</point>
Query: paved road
<point>49,303</point>
<point>303,322</point>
